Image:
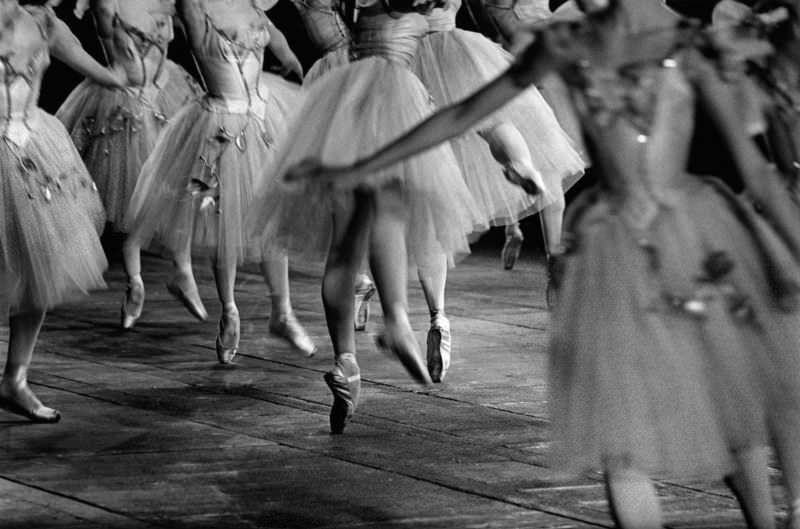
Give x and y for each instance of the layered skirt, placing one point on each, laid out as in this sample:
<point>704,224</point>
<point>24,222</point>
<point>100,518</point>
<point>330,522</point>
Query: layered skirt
<point>453,65</point>
<point>115,130</point>
<point>198,184</point>
<point>348,114</point>
<point>50,250</point>
<point>670,343</point>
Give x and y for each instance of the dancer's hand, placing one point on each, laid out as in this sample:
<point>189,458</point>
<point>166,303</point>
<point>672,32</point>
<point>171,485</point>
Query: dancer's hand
<point>292,70</point>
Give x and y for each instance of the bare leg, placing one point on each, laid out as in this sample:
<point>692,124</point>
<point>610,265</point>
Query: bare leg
<point>750,484</point>
<point>388,261</point>
<point>552,218</point>
<point>785,427</point>
<point>632,499</point>
<point>133,302</point>
<point>364,290</point>
<point>183,285</point>
<point>15,394</point>
<point>433,278</point>
<point>227,344</point>
<point>282,321</point>
<point>351,224</point>
<point>510,150</point>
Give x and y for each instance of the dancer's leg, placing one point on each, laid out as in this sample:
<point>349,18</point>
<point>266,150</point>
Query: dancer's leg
<point>351,224</point>
<point>227,344</point>
<point>282,321</point>
<point>750,484</point>
<point>632,499</point>
<point>785,428</point>
<point>183,285</point>
<point>133,302</point>
<point>388,262</point>
<point>433,278</point>
<point>15,394</point>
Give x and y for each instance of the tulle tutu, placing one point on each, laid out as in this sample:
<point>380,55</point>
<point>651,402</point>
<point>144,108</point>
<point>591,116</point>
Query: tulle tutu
<point>662,356</point>
<point>49,245</point>
<point>197,186</point>
<point>333,59</point>
<point>115,130</point>
<point>454,64</point>
<point>346,115</point>
<point>555,91</point>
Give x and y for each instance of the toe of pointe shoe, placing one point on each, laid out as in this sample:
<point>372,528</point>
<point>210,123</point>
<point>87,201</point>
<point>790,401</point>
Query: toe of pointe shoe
<point>42,414</point>
<point>438,352</point>
<point>226,355</point>
<point>344,404</point>
<point>293,332</point>
<point>511,251</point>
<point>408,356</point>
<point>190,299</point>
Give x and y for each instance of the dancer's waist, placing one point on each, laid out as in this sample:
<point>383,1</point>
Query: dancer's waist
<point>254,104</point>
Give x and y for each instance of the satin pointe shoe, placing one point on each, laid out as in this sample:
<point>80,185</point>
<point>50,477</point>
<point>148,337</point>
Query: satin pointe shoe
<point>22,401</point>
<point>512,248</point>
<point>439,347</point>
<point>132,304</point>
<point>403,344</point>
<point>227,344</point>
<point>345,390</point>
<point>287,327</point>
<point>187,293</point>
<point>364,291</point>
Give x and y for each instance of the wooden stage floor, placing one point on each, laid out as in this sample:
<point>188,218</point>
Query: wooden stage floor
<point>156,434</point>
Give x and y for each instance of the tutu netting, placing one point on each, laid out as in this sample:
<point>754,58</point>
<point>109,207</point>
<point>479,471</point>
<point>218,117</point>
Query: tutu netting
<point>333,59</point>
<point>199,182</point>
<point>454,64</point>
<point>49,246</point>
<point>346,115</point>
<point>115,130</point>
<point>669,342</point>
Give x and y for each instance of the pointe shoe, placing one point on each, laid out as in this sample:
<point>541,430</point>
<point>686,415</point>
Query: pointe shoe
<point>365,289</point>
<point>22,401</point>
<point>512,248</point>
<point>227,344</point>
<point>287,327</point>
<point>439,346</point>
<point>403,344</point>
<point>189,297</point>
<point>522,179</point>
<point>346,391</point>
<point>132,304</point>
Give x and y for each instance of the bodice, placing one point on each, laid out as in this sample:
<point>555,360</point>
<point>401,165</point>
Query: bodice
<point>393,37</point>
<point>142,51</point>
<point>21,73</point>
<point>443,18</point>
<point>231,63</point>
<point>641,119</point>
<point>324,24</point>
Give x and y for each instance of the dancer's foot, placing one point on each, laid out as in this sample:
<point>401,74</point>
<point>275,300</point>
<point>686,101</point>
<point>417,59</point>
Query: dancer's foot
<point>184,288</point>
<point>400,340</point>
<point>133,303</point>
<point>524,177</point>
<point>439,345</point>
<point>20,400</point>
<point>344,381</point>
<point>228,338</point>
<point>364,291</point>
<point>512,247</point>
<point>287,327</point>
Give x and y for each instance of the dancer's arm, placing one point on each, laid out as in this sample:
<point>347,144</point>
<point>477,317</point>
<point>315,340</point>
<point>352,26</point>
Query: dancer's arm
<point>279,47</point>
<point>192,17</point>
<point>66,47</point>
<point>444,125</point>
<point>103,12</point>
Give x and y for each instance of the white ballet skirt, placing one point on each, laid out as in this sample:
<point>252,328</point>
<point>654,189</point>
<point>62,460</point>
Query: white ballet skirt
<point>453,64</point>
<point>116,129</point>
<point>348,114</point>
